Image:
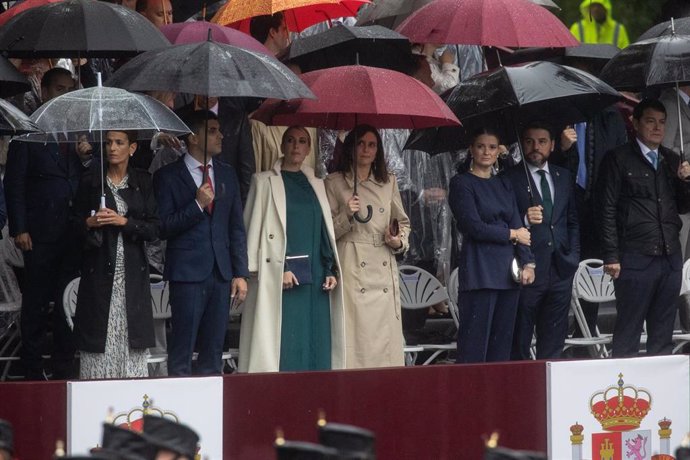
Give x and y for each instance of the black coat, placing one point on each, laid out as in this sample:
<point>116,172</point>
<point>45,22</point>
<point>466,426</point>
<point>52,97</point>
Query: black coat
<point>98,262</point>
<point>638,206</point>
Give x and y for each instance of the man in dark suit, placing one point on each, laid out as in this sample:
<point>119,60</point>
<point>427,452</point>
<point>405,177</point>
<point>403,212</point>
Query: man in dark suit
<point>40,183</point>
<point>206,254</point>
<point>551,216</point>
<point>641,187</point>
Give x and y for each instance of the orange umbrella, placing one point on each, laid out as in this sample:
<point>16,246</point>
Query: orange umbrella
<point>299,14</point>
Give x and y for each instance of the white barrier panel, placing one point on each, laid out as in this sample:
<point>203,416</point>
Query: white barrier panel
<point>196,402</point>
<point>617,409</point>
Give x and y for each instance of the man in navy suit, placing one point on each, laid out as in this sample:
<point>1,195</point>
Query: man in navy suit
<point>642,187</point>
<point>206,254</point>
<point>40,183</point>
<point>551,216</point>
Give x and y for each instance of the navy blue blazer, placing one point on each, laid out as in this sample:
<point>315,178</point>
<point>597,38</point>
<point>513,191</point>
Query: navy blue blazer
<point>40,184</point>
<point>564,222</point>
<point>197,241</point>
<point>485,211</point>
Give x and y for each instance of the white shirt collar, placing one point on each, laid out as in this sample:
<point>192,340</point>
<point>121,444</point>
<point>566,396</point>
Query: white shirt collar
<point>193,164</point>
<point>533,169</point>
<point>644,148</point>
<point>684,96</point>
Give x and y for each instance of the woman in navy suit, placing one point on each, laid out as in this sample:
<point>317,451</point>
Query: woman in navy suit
<point>486,213</point>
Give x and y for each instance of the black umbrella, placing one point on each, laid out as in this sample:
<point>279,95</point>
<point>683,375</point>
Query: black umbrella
<point>680,26</point>
<point>509,97</point>
<point>592,51</point>
<point>79,28</point>
<point>388,13</point>
<point>657,62</point>
<point>374,46</point>
<point>185,9</point>
<point>13,121</point>
<point>11,80</point>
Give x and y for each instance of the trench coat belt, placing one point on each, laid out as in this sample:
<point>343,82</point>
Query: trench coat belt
<point>376,239</point>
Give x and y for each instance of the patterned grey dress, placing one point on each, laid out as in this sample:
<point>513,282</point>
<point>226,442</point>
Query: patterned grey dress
<point>118,361</point>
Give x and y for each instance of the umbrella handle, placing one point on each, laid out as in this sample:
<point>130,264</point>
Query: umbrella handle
<point>364,220</point>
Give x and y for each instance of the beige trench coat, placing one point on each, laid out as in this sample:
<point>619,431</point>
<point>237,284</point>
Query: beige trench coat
<point>265,220</point>
<point>373,325</point>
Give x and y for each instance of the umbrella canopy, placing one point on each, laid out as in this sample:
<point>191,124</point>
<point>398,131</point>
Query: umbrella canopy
<point>79,28</point>
<point>197,31</point>
<point>11,80</point>
<point>14,122</point>
<point>299,14</point>
<point>210,69</point>
<point>547,4</point>
<point>508,97</point>
<point>388,13</point>
<point>592,51</point>
<point>92,111</point>
<point>23,6</point>
<point>184,9</point>
<point>351,95</point>
<point>662,61</point>
<point>680,26</point>
<point>374,46</point>
<point>488,23</point>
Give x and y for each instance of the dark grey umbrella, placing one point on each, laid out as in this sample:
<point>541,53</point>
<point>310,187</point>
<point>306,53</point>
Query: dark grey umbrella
<point>11,80</point>
<point>657,62</point>
<point>680,26</point>
<point>13,121</point>
<point>594,51</point>
<point>388,13</point>
<point>375,46</point>
<point>79,28</point>
<point>210,69</point>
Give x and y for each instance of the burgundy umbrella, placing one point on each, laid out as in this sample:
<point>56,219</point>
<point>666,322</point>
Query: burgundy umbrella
<point>514,23</point>
<point>352,95</point>
<point>198,31</point>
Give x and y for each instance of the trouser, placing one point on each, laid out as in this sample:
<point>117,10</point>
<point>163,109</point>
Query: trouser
<point>199,315</point>
<point>486,327</point>
<point>646,290</point>
<point>48,267</point>
<point>543,310</point>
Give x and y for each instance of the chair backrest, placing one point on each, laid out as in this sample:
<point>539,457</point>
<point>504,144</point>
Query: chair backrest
<point>592,284</point>
<point>452,287</point>
<point>419,288</point>
<point>685,285</point>
<point>160,297</point>
<point>11,253</point>
<point>69,301</point>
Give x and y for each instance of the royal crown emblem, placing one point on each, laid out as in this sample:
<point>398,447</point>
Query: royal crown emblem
<point>134,418</point>
<point>620,407</point>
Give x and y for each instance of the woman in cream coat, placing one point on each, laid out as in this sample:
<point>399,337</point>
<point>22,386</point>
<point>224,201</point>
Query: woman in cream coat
<point>367,251</point>
<point>288,325</point>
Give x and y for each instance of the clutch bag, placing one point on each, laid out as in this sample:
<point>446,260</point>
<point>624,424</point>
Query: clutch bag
<point>300,266</point>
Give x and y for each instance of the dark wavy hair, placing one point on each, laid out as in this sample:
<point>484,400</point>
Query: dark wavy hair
<point>378,167</point>
<point>464,166</point>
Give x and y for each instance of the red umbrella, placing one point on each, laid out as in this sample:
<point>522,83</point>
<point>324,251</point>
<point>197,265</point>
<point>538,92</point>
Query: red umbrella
<point>351,95</point>
<point>515,23</point>
<point>238,14</point>
<point>197,31</point>
<point>23,6</point>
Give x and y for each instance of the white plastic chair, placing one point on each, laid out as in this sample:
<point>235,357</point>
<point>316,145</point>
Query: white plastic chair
<point>420,289</point>
<point>452,287</point>
<point>69,301</point>
<point>593,285</point>
<point>10,310</point>
<point>679,337</point>
<point>160,302</point>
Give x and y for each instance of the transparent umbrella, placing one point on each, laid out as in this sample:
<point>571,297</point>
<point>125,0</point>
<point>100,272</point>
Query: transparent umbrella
<point>87,113</point>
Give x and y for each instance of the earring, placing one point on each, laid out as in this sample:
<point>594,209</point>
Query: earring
<point>471,164</point>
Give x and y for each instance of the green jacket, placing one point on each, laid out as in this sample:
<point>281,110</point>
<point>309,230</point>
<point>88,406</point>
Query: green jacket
<point>589,31</point>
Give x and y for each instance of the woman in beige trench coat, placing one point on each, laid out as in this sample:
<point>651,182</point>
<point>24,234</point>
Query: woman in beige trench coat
<point>373,327</point>
<point>272,322</point>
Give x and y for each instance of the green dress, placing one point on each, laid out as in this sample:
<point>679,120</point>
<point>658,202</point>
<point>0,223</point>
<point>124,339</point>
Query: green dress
<point>305,337</point>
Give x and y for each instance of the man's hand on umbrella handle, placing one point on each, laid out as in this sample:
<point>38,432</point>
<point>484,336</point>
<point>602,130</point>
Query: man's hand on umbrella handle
<point>238,291</point>
<point>535,216</point>
<point>684,170</point>
<point>204,195</point>
<point>353,205</point>
<point>614,270</point>
<point>568,138</point>
<point>23,241</point>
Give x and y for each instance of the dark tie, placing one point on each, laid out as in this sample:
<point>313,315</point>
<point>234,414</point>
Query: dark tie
<point>653,158</point>
<point>547,202</point>
<point>206,173</point>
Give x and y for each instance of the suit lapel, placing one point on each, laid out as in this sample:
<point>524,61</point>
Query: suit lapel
<point>185,175</point>
<point>561,195</point>
<point>278,194</point>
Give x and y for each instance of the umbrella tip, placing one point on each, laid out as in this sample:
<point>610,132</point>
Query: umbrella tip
<point>209,34</point>
<point>673,26</point>
<point>99,79</point>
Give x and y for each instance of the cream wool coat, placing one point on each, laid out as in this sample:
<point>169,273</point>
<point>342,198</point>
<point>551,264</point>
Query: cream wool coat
<point>265,221</point>
<point>373,324</point>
